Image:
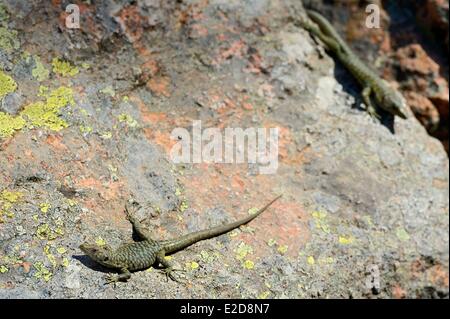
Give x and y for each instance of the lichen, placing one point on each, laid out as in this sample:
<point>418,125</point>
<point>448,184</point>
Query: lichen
<point>320,219</point>
<point>193,265</point>
<point>402,234</point>
<point>40,114</point>
<point>39,72</point>
<point>183,206</point>
<point>264,294</point>
<point>64,68</point>
<point>41,271</point>
<point>8,40</point>
<point>243,250</point>
<point>44,231</point>
<point>100,241</point>
<point>7,84</point>
<point>345,240</point>
<point>9,124</point>
<point>128,119</point>
<point>7,200</point>
<point>248,264</point>
<point>44,207</point>
<point>109,90</point>
<point>282,249</point>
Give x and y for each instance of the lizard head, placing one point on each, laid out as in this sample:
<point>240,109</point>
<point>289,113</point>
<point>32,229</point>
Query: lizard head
<point>100,254</point>
<point>394,103</point>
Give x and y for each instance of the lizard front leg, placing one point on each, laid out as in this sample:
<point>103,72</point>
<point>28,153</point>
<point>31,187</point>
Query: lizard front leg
<point>137,225</point>
<point>123,276</point>
<point>168,268</point>
<point>366,92</point>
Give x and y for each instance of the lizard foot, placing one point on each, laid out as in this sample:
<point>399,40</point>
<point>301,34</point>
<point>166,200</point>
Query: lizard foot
<point>373,113</point>
<point>169,272</point>
<point>111,278</point>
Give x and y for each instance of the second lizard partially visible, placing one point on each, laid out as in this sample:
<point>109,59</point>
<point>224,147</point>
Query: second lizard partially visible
<point>375,89</point>
<point>144,254</point>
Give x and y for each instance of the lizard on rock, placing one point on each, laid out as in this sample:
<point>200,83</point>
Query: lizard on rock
<point>375,89</point>
<point>148,252</point>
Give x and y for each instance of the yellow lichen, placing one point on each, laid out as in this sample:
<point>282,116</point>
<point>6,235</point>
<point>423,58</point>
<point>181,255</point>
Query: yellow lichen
<point>127,119</point>
<point>9,196</point>
<point>7,84</point>
<point>402,234</point>
<point>253,210</point>
<point>282,249</point>
<point>193,265</point>
<point>108,91</point>
<point>310,260</point>
<point>40,114</point>
<point>44,231</point>
<point>8,40</point>
<point>183,206</point>
<point>100,241</point>
<point>9,124</point>
<point>3,269</point>
<point>264,295</point>
<point>44,207</point>
<point>41,271</point>
<point>39,72</point>
<point>248,264</point>
<point>271,242</point>
<point>65,262</point>
<point>345,240</point>
<point>7,199</point>
<point>64,68</point>
<point>243,250</point>
<point>320,221</point>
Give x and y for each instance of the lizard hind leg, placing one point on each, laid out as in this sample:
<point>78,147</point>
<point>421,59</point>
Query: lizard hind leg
<point>366,92</point>
<point>168,268</point>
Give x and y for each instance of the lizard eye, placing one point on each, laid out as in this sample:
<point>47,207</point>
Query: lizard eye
<point>105,259</point>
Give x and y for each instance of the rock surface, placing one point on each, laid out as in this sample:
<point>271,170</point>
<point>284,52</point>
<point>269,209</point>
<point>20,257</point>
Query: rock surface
<point>365,207</point>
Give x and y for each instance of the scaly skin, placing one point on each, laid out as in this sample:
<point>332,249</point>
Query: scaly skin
<point>375,89</point>
<point>144,254</point>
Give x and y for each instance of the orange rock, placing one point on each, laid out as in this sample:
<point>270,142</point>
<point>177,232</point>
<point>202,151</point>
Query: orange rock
<point>424,110</point>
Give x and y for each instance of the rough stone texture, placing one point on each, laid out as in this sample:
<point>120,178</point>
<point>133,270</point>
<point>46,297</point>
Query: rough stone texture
<point>362,199</point>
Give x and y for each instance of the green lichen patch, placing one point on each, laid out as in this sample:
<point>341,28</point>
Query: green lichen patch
<point>42,272</point>
<point>248,264</point>
<point>47,114</point>
<point>7,201</point>
<point>39,72</point>
<point>243,250</point>
<point>127,119</point>
<point>45,232</point>
<point>64,68</point>
<point>7,84</point>
<point>9,124</point>
<point>8,40</point>
<point>4,16</point>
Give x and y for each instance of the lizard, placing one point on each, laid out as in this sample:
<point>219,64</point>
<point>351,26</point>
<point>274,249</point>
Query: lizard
<point>376,91</point>
<point>140,255</point>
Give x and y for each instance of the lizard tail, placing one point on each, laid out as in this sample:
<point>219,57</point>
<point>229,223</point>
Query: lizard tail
<point>171,246</point>
<point>328,29</point>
